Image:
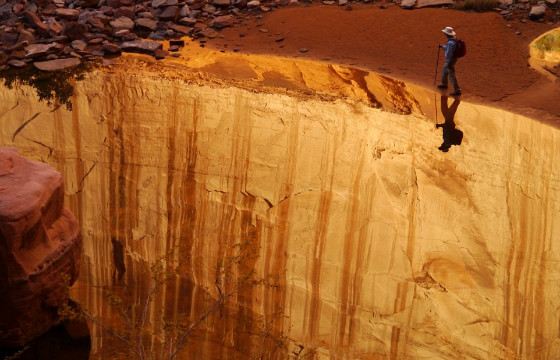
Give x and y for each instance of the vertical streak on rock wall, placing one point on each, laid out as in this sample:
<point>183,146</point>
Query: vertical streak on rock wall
<point>172,137</point>
<point>349,288</point>
<point>195,206</point>
<point>79,161</point>
<point>241,246</point>
<point>404,300</point>
<point>113,149</point>
<point>277,240</point>
<point>528,211</point>
<point>59,140</point>
<point>322,223</point>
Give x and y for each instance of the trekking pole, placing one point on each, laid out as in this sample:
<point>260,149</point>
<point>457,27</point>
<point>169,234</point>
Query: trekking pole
<point>435,80</point>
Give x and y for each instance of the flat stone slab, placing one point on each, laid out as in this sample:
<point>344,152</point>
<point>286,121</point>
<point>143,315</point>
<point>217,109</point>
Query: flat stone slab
<point>408,4</point>
<point>537,12</point>
<point>429,3</point>
<point>58,64</point>
<point>146,23</point>
<point>141,46</point>
<point>68,13</point>
<point>17,63</point>
<point>38,49</point>
<point>122,23</point>
<point>221,22</point>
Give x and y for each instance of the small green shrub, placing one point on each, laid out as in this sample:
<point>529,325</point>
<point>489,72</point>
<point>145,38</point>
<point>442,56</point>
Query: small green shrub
<point>550,42</point>
<point>478,5</point>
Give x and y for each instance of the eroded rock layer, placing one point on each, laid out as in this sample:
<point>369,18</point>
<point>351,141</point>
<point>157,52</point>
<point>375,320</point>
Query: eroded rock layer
<point>368,241</point>
<point>40,247</point>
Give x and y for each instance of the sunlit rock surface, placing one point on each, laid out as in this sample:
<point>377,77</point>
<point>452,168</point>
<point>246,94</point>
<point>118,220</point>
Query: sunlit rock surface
<point>40,248</point>
<point>329,186</point>
<point>545,54</point>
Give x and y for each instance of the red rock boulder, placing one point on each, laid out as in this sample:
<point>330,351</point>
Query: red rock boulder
<point>40,248</point>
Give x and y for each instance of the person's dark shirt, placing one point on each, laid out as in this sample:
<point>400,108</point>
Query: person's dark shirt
<point>450,49</point>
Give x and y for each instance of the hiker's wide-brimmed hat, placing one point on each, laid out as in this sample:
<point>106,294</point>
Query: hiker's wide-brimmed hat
<point>449,31</point>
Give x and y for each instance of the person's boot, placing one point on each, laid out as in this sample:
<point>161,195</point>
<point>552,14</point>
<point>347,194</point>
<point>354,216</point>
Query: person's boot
<point>442,86</point>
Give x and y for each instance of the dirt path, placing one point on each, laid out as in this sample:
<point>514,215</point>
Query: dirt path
<point>403,44</point>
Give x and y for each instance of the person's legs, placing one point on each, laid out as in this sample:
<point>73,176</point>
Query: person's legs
<point>453,78</point>
<point>444,75</point>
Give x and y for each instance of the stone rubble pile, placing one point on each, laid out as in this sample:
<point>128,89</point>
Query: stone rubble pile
<point>59,34</point>
<point>535,11</point>
<point>509,9</point>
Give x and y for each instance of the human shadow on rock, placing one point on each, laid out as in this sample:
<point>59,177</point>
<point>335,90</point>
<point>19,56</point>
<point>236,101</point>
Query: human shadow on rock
<point>451,135</point>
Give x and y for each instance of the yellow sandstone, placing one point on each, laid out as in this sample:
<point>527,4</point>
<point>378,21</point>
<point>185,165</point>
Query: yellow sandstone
<point>367,240</point>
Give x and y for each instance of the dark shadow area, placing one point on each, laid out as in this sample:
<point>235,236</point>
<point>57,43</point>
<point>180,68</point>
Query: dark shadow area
<point>118,261</point>
<point>67,341</point>
<point>451,135</point>
<point>56,87</point>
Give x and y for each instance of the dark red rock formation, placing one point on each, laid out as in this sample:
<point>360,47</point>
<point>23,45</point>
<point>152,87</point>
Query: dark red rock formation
<point>40,247</point>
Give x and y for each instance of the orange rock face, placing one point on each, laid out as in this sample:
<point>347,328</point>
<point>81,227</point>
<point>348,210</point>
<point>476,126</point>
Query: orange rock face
<point>40,246</point>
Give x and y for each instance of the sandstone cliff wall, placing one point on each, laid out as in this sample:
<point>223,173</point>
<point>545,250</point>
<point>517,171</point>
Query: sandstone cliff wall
<point>369,240</point>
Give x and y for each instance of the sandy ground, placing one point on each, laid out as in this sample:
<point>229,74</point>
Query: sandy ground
<point>403,44</point>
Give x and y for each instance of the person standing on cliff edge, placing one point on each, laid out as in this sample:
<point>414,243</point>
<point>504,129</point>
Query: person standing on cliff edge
<point>454,49</point>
